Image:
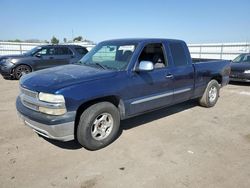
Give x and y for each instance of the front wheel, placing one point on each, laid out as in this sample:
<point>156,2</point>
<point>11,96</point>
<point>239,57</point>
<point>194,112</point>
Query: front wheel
<point>98,126</point>
<point>211,94</point>
<point>21,70</point>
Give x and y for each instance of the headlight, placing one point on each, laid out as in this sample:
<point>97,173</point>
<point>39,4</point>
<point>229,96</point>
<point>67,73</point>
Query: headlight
<point>51,111</point>
<point>247,71</point>
<point>8,61</point>
<point>54,100</point>
<point>51,98</point>
<point>2,60</point>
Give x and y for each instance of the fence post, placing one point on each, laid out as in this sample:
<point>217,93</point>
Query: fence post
<point>21,49</point>
<point>200,52</point>
<point>221,51</point>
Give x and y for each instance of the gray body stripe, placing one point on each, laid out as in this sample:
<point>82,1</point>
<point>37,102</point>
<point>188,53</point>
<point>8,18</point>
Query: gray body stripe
<point>182,90</point>
<point>160,96</point>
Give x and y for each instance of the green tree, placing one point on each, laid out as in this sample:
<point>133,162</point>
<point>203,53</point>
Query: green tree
<point>16,40</point>
<point>54,40</point>
<point>79,38</point>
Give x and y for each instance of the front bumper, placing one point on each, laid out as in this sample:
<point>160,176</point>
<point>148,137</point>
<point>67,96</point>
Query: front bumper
<point>54,127</point>
<point>63,132</point>
<point>6,69</point>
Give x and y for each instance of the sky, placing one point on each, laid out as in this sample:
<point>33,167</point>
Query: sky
<point>195,21</point>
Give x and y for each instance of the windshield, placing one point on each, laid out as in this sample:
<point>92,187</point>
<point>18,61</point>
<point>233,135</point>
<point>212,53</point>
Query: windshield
<point>243,58</point>
<point>109,55</point>
<point>33,50</point>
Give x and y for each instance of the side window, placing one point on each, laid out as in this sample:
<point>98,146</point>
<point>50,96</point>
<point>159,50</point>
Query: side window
<point>51,51</point>
<point>46,51</point>
<point>154,53</point>
<point>42,52</point>
<point>246,58</point>
<point>63,51</point>
<point>178,54</point>
<point>81,50</point>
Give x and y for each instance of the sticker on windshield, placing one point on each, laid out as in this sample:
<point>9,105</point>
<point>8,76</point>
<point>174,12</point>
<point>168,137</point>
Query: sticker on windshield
<point>127,47</point>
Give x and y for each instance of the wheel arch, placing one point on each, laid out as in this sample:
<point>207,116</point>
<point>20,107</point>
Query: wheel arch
<point>218,78</point>
<point>12,71</point>
<point>115,100</point>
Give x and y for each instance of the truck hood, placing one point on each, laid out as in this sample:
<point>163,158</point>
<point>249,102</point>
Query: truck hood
<point>52,79</point>
<point>240,66</point>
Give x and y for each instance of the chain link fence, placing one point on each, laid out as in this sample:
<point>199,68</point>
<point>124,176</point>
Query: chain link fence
<point>219,50</point>
<point>202,51</point>
<point>7,48</point>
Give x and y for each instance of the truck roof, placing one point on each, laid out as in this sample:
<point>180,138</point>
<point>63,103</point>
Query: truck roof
<point>138,40</point>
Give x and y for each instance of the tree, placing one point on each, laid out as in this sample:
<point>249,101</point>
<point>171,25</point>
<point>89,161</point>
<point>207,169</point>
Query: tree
<point>79,38</point>
<point>54,40</point>
<point>16,40</point>
<point>64,40</point>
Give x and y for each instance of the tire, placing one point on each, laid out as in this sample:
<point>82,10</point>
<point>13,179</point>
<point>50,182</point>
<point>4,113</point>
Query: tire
<point>211,94</point>
<point>20,70</point>
<point>98,126</point>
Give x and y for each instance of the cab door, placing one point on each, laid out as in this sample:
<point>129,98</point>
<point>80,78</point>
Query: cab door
<point>151,89</point>
<point>183,72</point>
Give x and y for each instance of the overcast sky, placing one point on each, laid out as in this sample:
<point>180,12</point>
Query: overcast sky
<point>195,21</point>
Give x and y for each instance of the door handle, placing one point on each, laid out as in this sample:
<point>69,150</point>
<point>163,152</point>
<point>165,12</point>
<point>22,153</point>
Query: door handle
<point>51,57</point>
<point>169,76</point>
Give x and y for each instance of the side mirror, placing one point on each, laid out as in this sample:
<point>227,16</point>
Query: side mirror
<point>38,55</point>
<point>145,66</point>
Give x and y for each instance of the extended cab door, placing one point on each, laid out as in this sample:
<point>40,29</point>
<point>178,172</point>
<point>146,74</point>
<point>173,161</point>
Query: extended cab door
<point>183,71</point>
<point>151,89</point>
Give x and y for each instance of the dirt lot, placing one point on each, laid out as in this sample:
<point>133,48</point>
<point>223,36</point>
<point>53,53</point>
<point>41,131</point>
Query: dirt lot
<point>182,146</point>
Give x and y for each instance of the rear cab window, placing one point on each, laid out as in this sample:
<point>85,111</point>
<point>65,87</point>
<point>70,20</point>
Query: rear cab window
<point>178,54</point>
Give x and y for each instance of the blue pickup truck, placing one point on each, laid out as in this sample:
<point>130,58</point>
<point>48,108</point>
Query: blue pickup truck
<point>116,80</point>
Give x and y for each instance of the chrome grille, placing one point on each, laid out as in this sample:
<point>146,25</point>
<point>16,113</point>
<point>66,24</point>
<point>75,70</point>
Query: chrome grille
<point>29,98</point>
<point>30,105</point>
<point>29,93</point>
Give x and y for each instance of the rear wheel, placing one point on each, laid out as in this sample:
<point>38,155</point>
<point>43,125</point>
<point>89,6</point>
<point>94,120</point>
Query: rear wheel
<point>21,70</point>
<point>211,94</point>
<point>98,126</point>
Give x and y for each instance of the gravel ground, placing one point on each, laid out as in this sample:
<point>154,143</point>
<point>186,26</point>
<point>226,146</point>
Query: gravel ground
<point>182,146</point>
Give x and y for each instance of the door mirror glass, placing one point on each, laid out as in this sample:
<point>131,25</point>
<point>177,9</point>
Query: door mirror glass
<point>146,66</point>
<point>38,55</point>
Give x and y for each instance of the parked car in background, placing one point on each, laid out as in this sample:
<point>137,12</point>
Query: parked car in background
<point>116,80</point>
<point>240,68</point>
<point>41,57</point>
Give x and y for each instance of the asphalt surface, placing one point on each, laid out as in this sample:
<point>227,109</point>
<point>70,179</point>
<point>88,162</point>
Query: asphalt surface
<point>182,146</point>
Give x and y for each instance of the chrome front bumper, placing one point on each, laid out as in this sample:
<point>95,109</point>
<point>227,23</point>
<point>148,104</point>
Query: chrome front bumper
<point>63,132</point>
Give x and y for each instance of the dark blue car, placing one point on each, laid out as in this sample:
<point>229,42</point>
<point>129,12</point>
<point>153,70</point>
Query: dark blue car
<point>116,80</point>
<point>40,57</point>
<point>240,68</point>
